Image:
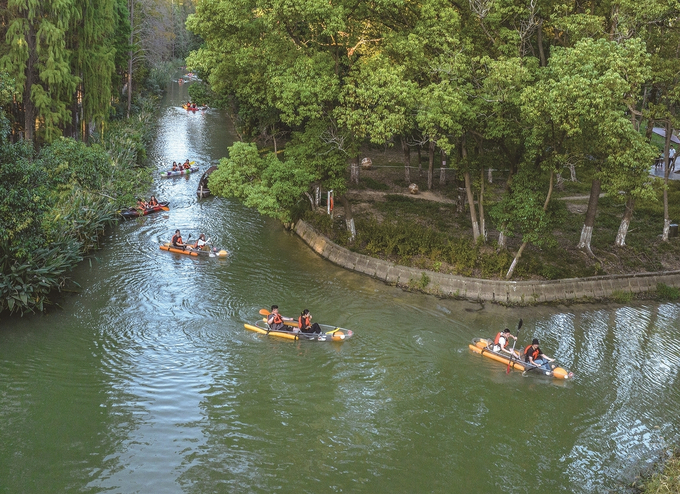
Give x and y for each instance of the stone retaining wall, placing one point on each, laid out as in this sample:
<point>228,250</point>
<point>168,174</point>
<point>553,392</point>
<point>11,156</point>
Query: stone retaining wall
<point>503,292</point>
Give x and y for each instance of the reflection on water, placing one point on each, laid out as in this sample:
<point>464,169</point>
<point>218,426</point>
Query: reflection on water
<point>148,382</point>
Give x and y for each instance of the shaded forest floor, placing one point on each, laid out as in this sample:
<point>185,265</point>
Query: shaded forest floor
<point>382,201</point>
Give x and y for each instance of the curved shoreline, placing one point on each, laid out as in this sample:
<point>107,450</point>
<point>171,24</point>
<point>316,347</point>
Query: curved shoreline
<point>476,289</point>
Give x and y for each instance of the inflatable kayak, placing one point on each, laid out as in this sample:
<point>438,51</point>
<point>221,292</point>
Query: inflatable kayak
<point>483,347</point>
<point>194,168</point>
<point>189,251</point>
<point>135,213</point>
<point>328,333</point>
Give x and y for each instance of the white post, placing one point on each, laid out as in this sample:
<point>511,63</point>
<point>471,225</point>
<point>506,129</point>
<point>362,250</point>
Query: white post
<point>329,203</point>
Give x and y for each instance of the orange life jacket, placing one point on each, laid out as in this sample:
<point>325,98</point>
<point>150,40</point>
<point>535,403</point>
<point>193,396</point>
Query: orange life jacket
<point>304,322</point>
<point>498,337</point>
<point>277,319</point>
<point>176,239</point>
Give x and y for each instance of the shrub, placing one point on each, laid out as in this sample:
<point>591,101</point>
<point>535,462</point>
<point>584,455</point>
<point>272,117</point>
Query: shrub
<point>621,296</point>
<point>666,292</point>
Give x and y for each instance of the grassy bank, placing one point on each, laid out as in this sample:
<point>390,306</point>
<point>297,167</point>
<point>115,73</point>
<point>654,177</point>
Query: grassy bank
<point>431,231</point>
<point>665,481</point>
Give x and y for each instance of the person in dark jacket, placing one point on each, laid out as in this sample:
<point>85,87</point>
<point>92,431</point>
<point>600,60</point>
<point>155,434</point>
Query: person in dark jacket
<point>534,355</point>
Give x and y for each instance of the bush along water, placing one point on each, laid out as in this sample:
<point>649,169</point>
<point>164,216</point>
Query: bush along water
<point>56,203</point>
<point>409,243</point>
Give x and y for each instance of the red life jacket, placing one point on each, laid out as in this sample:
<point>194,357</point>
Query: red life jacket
<point>304,322</point>
<point>498,337</point>
<point>176,239</point>
<point>530,352</point>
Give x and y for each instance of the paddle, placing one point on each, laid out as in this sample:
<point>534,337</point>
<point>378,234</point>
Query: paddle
<point>512,352</point>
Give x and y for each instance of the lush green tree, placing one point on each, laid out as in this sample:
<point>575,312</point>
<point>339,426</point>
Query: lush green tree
<point>38,59</point>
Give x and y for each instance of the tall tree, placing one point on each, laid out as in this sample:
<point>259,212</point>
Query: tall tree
<point>38,59</point>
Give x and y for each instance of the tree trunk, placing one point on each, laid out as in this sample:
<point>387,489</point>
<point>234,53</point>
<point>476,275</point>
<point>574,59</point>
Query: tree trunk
<point>482,222</point>
<point>470,196</point>
<point>354,171</point>
<point>539,42</point>
<point>515,261</point>
<point>666,174</point>
<point>132,30</point>
<point>442,170</point>
<point>625,222</point>
<point>420,161</point>
<point>407,161</point>
<point>317,195</point>
<point>502,239</point>
<point>490,175</point>
<point>349,218</point>
<point>311,199</point>
<point>587,232</point>
<point>430,168</point>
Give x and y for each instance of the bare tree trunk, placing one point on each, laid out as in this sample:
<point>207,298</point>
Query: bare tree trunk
<point>625,222</point>
<point>132,29</point>
<point>539,42</point>
<point>420,161</point>
<point>572,171</point>
<point>442,170</point>
<point>482,222</point>
<point>490,175</point>
<point>407,160</point>
<point>317,195</point>
<point>513,265</point>
<point>587,231</point>
<point>470,197</point>
<point>666,174</point>
<point>349,218</point>
<point>311,199</point>
<point>430,168</point>
<point>502,239</point>
<point>354,171</point>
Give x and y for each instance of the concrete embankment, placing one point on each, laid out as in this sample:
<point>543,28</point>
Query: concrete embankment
<point>502,292</point>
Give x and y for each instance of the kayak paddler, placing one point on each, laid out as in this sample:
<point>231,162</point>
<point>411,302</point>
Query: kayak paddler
<point>534,356</point>
<point>200,243</point>
<point>305,323</point>
<point>153,201</point>
<point>500,343</point>
<point>276,320</point>
<point>177,240</point>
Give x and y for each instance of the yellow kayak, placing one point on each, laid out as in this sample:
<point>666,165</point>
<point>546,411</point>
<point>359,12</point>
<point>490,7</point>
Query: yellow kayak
<point>484,347</point>
<point>328,333</point>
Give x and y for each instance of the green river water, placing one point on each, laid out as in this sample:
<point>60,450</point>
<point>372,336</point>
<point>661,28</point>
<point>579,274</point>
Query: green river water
<point>146,381</point>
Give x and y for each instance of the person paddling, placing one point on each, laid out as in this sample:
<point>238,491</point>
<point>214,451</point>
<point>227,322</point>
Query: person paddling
<point>141,204</point>
<point>305,323</point>
<point>153,201</point>
<point>177,240</point>
<point>187,165</point>
<point>200,243</point>
<point>500,343</point>
<point>276,320</point>
<point>534,356</point>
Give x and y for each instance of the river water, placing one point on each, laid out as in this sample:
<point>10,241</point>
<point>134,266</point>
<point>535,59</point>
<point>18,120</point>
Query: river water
<point>147,381</point>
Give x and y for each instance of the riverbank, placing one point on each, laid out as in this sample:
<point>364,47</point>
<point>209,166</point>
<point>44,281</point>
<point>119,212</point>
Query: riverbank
<point>617,287</point>
<point>68,193</point>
